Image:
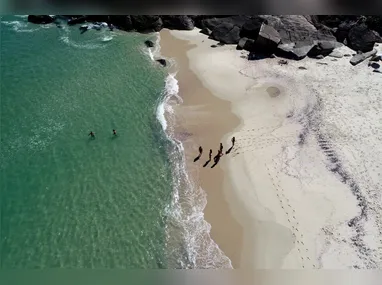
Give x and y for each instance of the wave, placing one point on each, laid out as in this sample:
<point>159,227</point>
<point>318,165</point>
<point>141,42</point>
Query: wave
<point>19,26</point>
<point>189,244</point>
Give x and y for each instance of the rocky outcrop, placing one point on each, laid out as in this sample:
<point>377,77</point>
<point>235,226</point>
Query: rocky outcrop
<point>358,58</point>
<point>181,22</point>
<point>291,36</point>
<point>41,19</point>
<point>147,24</point>
<point>226,33</point>
<point>122,22</point>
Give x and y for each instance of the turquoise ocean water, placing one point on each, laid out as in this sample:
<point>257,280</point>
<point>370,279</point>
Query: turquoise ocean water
<point>66,200</point>
<point>69,201</point>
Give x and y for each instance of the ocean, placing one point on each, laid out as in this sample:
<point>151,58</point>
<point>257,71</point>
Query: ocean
<point>70,201</point>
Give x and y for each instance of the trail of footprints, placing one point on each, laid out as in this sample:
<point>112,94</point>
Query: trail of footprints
<point>290,213</point>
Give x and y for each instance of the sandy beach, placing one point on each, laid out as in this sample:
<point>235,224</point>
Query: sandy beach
<point>301,189</point>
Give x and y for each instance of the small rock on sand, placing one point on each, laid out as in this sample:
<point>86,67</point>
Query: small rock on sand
<point>302,68</point>
<point>358,58</point>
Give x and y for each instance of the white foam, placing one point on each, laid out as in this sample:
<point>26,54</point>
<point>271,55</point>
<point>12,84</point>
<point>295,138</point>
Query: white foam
<point>19,26</point>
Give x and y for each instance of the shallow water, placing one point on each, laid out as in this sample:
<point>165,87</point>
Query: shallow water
<point>69,201</point>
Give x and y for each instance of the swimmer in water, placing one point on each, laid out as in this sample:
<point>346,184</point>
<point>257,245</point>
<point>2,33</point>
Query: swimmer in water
<point>91,134</point>
<point>114,132</point>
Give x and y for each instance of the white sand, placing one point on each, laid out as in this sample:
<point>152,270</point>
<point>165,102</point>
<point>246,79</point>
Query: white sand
<point>294,210</point>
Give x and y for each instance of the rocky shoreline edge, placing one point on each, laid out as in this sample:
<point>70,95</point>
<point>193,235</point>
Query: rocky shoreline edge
<point>291,36</point>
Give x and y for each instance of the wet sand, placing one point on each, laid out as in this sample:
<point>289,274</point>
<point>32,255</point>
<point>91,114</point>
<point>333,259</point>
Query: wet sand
<point>208,119</point>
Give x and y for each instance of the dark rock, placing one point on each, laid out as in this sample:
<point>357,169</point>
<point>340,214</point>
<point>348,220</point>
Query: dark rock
<point>323,48</point>
<point>333,21</point>
<point>214,46</point>
<point>322,63</point>
<point>347,55</point>
<point>40,19</point>
<point>226,33</point>
<point>220,44</point>
<point>98,18</point>
<point>374,23</point>
<point>295,51</point>
<point>294,28</point>
<point>377,71</point>
<point>358,58</point>
<point>149,44</point>
<point>251,27</point>
<point>122,22</point>
<point>302,68</point>
<point>342,31</point>
<point>206,31</point>
<point>267,40</point>
<point>213,23</point>
<point>376,58</point>
<point>180,22</point>
<point>246,44</point>
<point>320,56</point>
<point>374,65</point>
<point>361,38</point>
<point>77,20</point>
<point>162,62</point>
<point>198,19</point>
<point>147,24</point>
<point>255,56</point>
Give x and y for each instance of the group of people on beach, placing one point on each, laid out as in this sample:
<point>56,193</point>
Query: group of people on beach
<point>92,134</point>
<point>217,156</point>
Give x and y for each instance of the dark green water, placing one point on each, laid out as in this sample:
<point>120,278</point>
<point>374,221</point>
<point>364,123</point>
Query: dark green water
<point>68,201</point>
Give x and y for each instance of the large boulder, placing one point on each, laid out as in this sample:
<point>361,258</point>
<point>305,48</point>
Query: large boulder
<point>122,22</point>
<point>181,22</point>
<point>213,23</point>
<point>40,19</point>
<point>295,28</point>
<point>251,27</point>
<point>361,38</point>
<point>267,40</point>
<point>226,33</point>
<point>147,24</point>
<point>358,58</point>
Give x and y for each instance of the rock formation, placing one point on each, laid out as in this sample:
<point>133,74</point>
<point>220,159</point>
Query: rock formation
<point>291,36</point>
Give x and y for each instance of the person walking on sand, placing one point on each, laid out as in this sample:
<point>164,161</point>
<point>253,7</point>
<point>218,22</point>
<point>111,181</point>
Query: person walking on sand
<point>114,132</point>
<point>217,158</point>
<point>209,158</point>
<point>233,143</point>
<point>91,134</point>
<point>200,154</point>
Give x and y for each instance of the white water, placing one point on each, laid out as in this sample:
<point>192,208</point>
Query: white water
<point>186,210</point>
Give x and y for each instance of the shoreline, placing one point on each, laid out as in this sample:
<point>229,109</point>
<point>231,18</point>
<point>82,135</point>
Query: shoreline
<point>201,115</point>
<point>295,186</point>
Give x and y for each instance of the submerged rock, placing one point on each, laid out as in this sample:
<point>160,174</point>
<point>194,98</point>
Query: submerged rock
<point>149,43</point>
<point>162,61</point>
